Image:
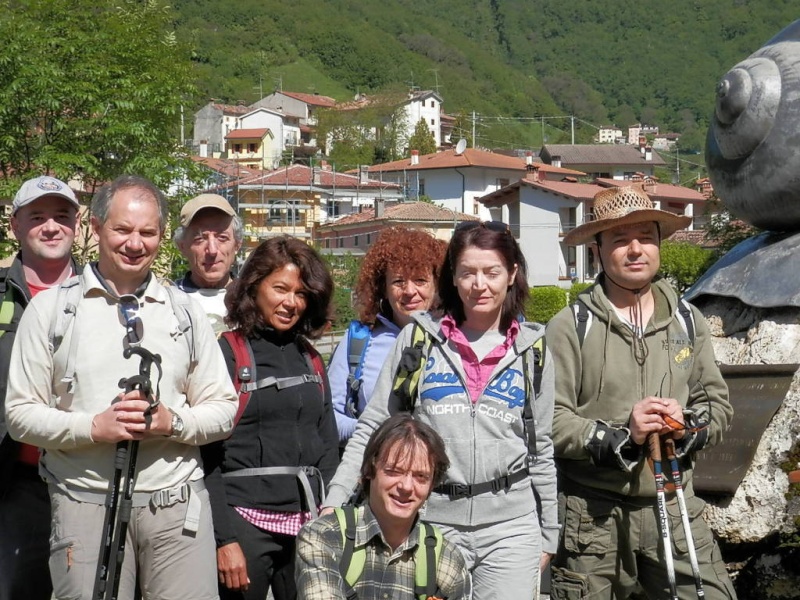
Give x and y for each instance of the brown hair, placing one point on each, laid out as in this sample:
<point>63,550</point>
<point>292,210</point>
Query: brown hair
<point>400,435</point>
<point>485,236</point>
<point>273,254</point>
<point>407,251</point>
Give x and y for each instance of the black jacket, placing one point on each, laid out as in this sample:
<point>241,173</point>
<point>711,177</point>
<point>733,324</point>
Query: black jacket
<point>278,428</point>
<point>12,280</point>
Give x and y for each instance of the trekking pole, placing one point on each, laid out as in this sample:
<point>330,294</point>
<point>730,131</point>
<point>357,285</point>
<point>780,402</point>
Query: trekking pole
<point>118,512</point>
<point>655,453</point>
<point>669,445</point>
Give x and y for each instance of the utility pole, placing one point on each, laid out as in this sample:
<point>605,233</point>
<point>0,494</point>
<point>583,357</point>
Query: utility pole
<point>473,128</point>
<point>572,118</point>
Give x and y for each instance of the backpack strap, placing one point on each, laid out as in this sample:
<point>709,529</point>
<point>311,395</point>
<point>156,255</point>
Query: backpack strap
<point>245,370</point>
<point>315,363</point>
<point>409,368</point>
<point>180,302</point>
<point>426,556</point>
<point>583,319</point>
<point>686,318</point>
<point>426,559</point>
<point>351,565</point>
<point>70,292</point>
<point>358,335</point>
<point>535,355</point>
<point>7,308</point>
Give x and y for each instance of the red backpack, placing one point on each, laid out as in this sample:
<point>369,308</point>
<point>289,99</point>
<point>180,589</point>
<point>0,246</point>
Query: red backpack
<point>245,379</point>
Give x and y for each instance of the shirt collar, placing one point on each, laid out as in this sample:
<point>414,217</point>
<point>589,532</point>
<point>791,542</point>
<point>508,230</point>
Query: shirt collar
<point>452,332</point>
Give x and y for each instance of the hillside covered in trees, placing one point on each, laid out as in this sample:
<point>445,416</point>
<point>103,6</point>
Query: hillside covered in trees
<point>511,62</point>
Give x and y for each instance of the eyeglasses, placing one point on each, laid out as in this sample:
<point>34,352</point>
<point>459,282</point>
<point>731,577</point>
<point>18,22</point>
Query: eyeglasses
<point>134,328</point>
<point>498,226</point>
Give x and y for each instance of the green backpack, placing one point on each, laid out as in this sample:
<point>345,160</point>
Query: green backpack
<point>354,558</point>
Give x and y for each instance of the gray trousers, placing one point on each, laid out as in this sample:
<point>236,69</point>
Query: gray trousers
<point>609,548</point>
<point>503,557</point>
<point>173,564</point>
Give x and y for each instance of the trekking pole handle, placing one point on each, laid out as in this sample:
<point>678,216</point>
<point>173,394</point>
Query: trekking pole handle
<point>654,441</point>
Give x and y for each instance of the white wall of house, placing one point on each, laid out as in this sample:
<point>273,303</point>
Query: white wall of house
<point>427,108</point>
<point>272,120</point>
<point>445,186</point>
<point>539,239</point>
<point>285,104</point>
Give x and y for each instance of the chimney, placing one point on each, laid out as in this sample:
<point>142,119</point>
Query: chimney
<point>314,176</point>
<point>415,157</point>
<point>378,208</point>
<point>556,160</point>
<point>529,158</point>
<point>363,174</point>
<point>203,149</point>
<point>648,153</point>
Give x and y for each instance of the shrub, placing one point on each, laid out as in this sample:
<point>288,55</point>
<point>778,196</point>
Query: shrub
<point>544,302</point>
<point>576,289</point>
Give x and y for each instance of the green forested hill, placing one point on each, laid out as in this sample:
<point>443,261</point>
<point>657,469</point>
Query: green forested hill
<point>605,61</point>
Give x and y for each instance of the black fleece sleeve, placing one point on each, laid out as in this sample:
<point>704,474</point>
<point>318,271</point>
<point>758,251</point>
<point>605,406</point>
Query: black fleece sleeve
<point>330,436</point>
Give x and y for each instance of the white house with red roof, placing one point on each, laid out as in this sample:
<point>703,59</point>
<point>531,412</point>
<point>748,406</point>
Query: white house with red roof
<point>299,111</point>
<point>613,161</point>
<point>540,212</point>
<point>456,180</point>
<point>212,123</point>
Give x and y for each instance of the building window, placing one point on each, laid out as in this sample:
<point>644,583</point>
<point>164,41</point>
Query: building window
<point>369,239</point>
<point>252,148</point>
<point>355,240</point>
<point>421,187</point>
<point>433,121</point>
<point>334,210</point>
<point>339,242</point>
<point>433,104</point>
<point>327,242</point>
<point>237,148</point>
<point>475,205</point>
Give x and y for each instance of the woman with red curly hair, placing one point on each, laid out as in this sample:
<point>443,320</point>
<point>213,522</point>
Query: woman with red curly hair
<point>398,277</point>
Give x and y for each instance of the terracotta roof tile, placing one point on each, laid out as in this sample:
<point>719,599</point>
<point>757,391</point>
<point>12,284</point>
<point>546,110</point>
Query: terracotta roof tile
<point>448,159</point>
<point>232,109</point>
<point>313,99</point>
<point>301,175</point>
<point>599,154</point>
<point>403,212</point>
<point>246,134</point>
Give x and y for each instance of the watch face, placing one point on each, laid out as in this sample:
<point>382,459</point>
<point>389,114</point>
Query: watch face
<point>177,424</point>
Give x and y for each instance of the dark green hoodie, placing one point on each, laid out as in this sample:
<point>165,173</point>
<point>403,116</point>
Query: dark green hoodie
<point>598,383</point>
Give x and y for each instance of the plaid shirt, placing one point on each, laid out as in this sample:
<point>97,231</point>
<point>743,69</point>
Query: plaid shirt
<point>387,573</point>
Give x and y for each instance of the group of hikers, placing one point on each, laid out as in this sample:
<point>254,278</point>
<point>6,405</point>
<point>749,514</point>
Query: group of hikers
<point>176,440</point>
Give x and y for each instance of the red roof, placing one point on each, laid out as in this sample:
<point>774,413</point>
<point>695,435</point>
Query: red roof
<point>402,211</point>
<point>301,175</point>
<point>229,168</point>
<point>231,109</point>
<point>448,159</point>
<point>313,99</point>
<point>247,134</point>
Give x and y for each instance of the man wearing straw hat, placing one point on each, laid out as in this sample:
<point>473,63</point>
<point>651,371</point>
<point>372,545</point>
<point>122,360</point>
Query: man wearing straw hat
<point>632,361</point>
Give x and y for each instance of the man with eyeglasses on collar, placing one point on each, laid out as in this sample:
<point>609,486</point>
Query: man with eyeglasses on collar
<point>209,237</point>
<point>64,396</point>
<point>632,362</point>
<point>44,218</point>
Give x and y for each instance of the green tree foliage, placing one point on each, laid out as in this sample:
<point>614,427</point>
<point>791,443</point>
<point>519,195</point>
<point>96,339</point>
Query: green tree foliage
<point>422,139</point>
<point>725,231</point>
<point>344,270</point>
<point>91,88</point>
<point>683,263</point>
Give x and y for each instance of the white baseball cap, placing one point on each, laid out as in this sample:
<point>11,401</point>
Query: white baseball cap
<point>36,188</point>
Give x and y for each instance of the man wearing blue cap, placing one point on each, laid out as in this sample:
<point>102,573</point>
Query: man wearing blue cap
<point>44,220</point>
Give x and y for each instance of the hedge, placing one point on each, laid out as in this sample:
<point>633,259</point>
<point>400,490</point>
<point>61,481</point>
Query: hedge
<point>544,302</point>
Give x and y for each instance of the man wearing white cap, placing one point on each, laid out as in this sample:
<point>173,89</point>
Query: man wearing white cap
<point>635,371</point>
<point>209,236</point>
<point>44,219</point>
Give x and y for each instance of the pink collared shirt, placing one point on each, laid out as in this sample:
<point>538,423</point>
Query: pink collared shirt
<point>477,371</point>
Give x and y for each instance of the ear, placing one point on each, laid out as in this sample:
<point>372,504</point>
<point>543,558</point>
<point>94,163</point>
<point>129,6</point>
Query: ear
<point>14,224</point>
<point>96,226</point>
<point>513,274</point>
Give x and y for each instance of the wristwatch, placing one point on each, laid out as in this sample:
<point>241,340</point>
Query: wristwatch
<point>177,424</point>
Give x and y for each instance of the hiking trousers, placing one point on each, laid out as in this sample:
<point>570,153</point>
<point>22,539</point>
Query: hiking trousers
<point>611,546</point>
<point>502,558</point>
<point>172,562</point>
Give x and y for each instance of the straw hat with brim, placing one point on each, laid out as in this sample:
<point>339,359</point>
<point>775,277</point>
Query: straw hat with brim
<point>624,206</point>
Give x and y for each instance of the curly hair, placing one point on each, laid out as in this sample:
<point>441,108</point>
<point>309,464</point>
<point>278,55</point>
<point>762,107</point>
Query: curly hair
<point>273,254</point>
<point>407,251</point>
<point>478,235</point>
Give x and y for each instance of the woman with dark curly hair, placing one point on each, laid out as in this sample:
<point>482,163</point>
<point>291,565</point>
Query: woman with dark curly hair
<point>266,480</point>
<point>398,277</point>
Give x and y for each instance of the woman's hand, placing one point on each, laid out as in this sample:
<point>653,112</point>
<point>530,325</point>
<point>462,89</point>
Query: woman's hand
<point>232,567</point>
